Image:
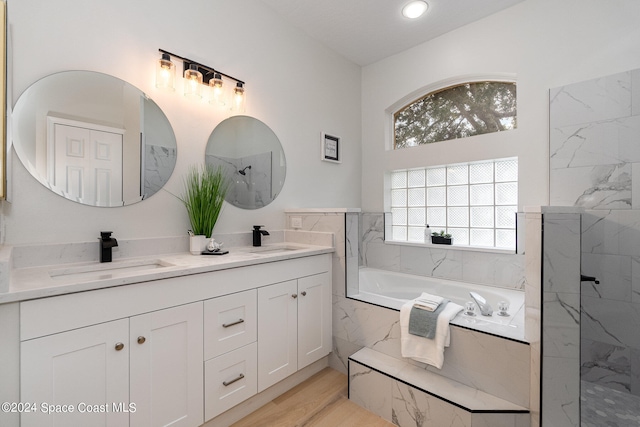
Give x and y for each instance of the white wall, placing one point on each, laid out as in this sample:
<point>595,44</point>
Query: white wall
<point>294,85</point>
<point>544,43</point>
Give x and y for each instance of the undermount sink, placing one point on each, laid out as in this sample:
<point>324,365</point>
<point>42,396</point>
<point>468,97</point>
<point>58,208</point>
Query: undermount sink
<point>273,248</point>
<point>107,270</point>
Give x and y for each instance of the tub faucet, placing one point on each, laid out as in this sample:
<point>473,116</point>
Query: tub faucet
<point>257,235</point>
<point>106,244</point>
<point>485,308</point>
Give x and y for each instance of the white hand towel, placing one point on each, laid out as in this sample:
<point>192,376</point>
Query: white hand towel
<point>430,351</point>
<point>428,302</point>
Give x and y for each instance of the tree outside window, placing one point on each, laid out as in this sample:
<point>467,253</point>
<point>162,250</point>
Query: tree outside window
<point>457,112</point>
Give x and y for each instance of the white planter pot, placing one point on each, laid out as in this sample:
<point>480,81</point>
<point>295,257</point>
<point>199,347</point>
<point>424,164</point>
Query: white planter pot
<point>197,244</point>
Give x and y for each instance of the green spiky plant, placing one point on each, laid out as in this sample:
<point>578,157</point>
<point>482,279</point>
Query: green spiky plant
<point>205,188</point>
<point>441,234</point>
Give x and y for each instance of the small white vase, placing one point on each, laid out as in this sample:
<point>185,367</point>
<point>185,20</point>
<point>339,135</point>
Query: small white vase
<point>197,244</point>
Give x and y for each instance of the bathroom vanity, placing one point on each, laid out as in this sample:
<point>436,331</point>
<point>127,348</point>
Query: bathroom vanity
<point>167,340</point>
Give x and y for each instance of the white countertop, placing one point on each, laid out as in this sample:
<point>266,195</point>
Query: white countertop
<point>50,280</point>
<point>322,210</point>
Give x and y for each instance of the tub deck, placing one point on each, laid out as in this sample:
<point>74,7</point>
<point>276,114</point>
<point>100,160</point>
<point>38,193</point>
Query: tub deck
<point>392,290</point>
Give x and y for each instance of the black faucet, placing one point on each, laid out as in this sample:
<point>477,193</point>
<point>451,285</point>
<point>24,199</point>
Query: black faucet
<point>257,235</point>
<point>106,243</point>
<point>584,278</point>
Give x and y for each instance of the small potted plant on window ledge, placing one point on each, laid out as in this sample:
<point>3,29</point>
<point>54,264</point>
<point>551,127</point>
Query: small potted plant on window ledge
<point>441,238</point>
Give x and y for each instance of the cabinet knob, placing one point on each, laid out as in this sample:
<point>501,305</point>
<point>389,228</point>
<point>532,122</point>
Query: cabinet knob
<point>141,340</point>
<point>294,295</point>
<point>119,346</point>
<point>304,293</point>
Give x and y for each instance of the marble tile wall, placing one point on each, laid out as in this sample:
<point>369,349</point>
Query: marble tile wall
<point>551,278</point>
<point>352,250</point>
<point>594,152</point>
<point>504,270</point>
<point>560,397</point>
<point>533,308</point>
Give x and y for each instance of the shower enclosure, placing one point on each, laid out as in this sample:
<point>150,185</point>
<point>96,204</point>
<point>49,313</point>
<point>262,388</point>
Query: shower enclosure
<point>595,164</point>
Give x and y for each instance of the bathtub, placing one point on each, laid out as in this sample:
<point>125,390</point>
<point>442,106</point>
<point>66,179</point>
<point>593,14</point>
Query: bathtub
<point>390,289</point>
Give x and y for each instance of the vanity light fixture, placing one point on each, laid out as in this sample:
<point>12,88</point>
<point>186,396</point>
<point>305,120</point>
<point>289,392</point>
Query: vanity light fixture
<point>199,77</point>
<point>166,73</point>
<point>415,9</point>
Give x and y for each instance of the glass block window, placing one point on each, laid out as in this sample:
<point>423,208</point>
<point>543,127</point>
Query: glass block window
<point>475,202</point>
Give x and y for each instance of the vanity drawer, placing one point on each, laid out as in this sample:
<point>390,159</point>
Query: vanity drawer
<point>230,379</point>
<point>230,322</point>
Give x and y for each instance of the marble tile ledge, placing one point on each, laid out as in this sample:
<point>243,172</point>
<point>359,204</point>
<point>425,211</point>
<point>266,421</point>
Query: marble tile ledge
<point>443,388</point>
<point>67,268</point>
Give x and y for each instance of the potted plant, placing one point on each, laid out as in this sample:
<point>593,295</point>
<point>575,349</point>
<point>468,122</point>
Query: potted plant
<point>205,188</point>
<point>441,238</point>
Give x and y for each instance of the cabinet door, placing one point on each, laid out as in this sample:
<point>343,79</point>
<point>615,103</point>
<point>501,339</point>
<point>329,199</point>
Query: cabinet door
<point>314,318</point>
<point>277,333</point>
<point>83,367</point>
<point>167,367</point>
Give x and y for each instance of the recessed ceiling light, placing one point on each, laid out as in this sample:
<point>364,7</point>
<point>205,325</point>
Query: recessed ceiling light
<point>415,9</point>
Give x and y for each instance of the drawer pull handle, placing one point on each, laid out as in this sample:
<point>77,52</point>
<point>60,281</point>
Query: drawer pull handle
<point>141,340</point>
<point>294,296</point>
<point>119,346</point>
<point>228,383</point>
<point>237,322</point>
<point>304,293</point>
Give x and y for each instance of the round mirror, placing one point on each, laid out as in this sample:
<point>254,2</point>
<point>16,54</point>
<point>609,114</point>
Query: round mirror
<point>93,138</point>
<point>251,157</point>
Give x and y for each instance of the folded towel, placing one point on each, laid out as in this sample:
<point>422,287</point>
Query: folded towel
<point>423,322</point>
<point>428,302</point>
<point>430,351</point>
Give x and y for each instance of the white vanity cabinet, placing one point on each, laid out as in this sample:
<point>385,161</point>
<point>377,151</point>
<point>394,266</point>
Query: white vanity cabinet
<point>175,351</point>
<point>139,371</point>
<point>294,326</point>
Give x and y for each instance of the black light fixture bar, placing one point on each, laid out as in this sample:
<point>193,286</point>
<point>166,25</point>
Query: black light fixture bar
<point>207,72</point>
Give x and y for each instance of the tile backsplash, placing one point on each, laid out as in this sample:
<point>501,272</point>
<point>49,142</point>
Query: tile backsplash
<point>489,268</point>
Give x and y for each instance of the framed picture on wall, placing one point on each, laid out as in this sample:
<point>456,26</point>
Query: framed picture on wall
<point>331,149</point>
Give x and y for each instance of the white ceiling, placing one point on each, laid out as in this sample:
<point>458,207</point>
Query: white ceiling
<point>366,31</point>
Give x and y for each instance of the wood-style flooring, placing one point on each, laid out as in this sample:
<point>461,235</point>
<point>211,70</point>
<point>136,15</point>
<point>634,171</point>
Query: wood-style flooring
<point>320,401</point>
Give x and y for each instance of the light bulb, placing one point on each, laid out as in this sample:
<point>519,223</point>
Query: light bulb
<point>239,98</point>
<point>217,96</point>
<point>166,73</point>
<point>414,9</point>
<point>193,82</point>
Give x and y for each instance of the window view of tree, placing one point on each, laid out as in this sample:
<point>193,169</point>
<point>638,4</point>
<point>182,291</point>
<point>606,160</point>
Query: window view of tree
<point>457,112</point>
